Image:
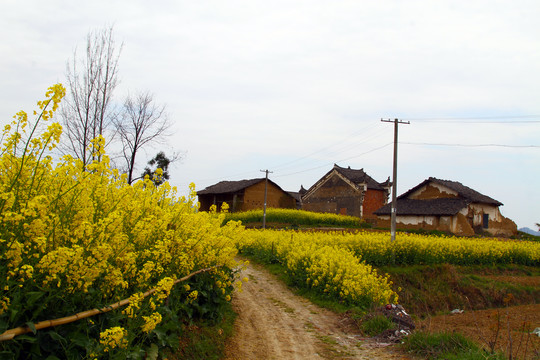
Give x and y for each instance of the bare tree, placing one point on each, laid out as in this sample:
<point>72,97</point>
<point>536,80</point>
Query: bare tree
<point>91,79</point>
<point>141,122</point>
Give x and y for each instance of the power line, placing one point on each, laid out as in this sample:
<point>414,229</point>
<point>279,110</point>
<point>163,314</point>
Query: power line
<point>366,139</point>
<point>482,119</point>
<point>328,147</point>
<point>341,145</point>
<point>326,164</point>
<point>337,161</point>
<point>470,145</point>
<point>228,177</point>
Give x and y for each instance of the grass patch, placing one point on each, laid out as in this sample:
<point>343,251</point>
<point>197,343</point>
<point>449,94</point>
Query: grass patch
<point>376,325</point>
<point>282,305</point>
<point>331,348</point>
<point>448,346</point>
<point>434,289</point>
<point>204,340</point>
<point>526,236</point>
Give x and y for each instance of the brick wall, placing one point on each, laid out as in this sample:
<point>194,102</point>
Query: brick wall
<point>275,197</point>
<point>373,200</point>
<point>334,196</point>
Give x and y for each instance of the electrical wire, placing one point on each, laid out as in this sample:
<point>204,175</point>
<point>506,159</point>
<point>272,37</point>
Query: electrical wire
<point>340,142</point>
<point>342,146</point>
<point>331,164</point>
<point>470,145</point>
<point>481,119</point>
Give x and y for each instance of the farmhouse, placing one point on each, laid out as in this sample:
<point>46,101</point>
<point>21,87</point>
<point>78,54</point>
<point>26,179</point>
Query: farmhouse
<point>245,195</point>
<point>347,191</point>
<point>450,206</point>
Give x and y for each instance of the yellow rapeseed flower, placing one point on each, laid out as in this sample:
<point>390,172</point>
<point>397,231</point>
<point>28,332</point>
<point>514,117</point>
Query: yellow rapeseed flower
<point>113,338</point>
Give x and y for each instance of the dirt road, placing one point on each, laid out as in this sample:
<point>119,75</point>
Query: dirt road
<point>274,323</point>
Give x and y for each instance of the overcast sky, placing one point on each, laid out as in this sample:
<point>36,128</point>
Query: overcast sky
<point>296,86</point>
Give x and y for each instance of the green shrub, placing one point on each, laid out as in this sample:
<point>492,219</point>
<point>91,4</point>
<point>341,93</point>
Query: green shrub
<point>376,325</point>
<point>446,345</point>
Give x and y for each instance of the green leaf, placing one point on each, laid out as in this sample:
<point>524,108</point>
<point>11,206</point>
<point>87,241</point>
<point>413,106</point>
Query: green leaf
<point>3,326</point>
<point>173,341</point>
<point>52,357</point>
<point>56,336</point>
<point>135,352</point>
<point>35,350</point>
<point>12,314</point>
<point>152,352</point>
<point>28,338</point>
<point>32,297</point>
<point>159,333</point>
<point>80,339</point>
<point>31,326</point>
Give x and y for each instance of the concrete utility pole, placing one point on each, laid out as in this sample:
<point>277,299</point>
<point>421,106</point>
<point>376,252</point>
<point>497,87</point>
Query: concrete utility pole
<point>394,176</point>
<point>265,194</point>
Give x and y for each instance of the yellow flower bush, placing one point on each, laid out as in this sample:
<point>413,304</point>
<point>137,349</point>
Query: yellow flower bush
<point>75,237</point>
<point>323,266</point>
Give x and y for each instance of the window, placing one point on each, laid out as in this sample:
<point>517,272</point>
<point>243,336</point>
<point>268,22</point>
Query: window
<point>485,221</point>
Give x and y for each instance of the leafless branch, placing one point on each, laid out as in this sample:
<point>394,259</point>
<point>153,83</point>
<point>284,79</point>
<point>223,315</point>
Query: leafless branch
<point>91,79</point>
<point>141,123</point>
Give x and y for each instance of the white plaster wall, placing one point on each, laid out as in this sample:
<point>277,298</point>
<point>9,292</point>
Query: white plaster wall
<point>480,209</point>
<point>416,220</point>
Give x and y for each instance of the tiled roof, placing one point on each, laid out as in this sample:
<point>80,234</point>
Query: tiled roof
<point>443,206</point>
<point>295,195</point>
<point>463,191</point>
<point>355,176</point>
<point>440,206</point>
<point>224,187</point>
<point>360,177</point>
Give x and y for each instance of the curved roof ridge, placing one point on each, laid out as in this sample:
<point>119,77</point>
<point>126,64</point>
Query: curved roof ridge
<point>359,176</point>
<point>463,191</point>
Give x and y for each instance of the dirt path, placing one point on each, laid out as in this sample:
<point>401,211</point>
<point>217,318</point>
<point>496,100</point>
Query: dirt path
<point>273,323</point>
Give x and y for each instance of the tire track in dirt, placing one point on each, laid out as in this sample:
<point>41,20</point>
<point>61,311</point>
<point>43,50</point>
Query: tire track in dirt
<point>273,323</point>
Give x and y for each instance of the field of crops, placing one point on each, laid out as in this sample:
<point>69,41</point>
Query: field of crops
<point>339,264</point>
<point>376,248</point>
<point>295,218</point>
<point>75,238</point>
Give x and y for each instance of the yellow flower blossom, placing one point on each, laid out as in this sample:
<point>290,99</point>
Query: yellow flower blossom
<point>4,304</point>
<point>113,338</point>
<point>150,322</point>
<point>135,301</point>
